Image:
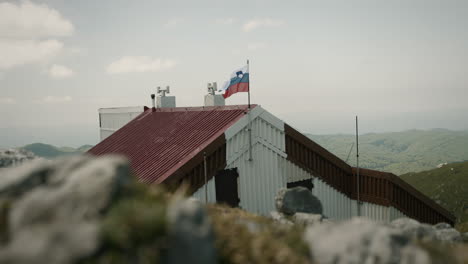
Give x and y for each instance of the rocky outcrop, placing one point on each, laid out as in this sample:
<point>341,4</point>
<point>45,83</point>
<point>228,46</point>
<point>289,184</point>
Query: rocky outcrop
<point>69,209</point>
<point>14,157</point>
<point>297,200</point>
<point>85,209</point>
<point>56,206</point>
<point>190,232</point>
<point>441,232</point>
<point>360,240</point>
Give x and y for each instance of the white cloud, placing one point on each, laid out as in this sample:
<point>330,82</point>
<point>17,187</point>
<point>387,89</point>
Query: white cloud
<point>7,100</point>
<point>256,46</point>
<point>51,99</point>
<point>29,20</point>
<point>129,64</point>
<point>264,22</point>
<point>225,21</point>
<point>19,52</point>
<point>28,33</point>
<point>60,72</point>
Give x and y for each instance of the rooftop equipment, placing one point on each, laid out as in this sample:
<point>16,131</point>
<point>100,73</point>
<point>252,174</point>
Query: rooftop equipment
<point>164,101</point>
<point>213,99</point>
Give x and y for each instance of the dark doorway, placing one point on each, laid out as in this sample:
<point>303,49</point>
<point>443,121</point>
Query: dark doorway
<point>305,183</point>
<point>226,187</point>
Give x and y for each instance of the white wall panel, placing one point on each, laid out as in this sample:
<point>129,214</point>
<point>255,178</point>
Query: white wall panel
<point>294,173</point>
<point>200,193</point>
<point>112,119</point>
<point>375,212</point>
<point>395,214</point>
<point>335,204</point>
<point>259,179</point>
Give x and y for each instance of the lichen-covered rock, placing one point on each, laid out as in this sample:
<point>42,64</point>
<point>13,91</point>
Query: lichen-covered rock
<point>414,229</point>
<point>280,218</point>
<point>360,240</point>
<point>442,226</point>
<point>14,157</point>
<point>307,219</point>
<point>55,207</point>
<point>448,235</point>
<point>191,237</point>
<point>298,199</point>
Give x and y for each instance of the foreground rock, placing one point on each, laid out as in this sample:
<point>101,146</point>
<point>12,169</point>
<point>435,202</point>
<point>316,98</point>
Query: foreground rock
<point>14,157</point>
<point>361,240</point>
<point>190,232</point>
<point>56,207</point>
<point>88,210</point>
<point>297,200</point>
<point>84,209</point>
<point>441,232</point>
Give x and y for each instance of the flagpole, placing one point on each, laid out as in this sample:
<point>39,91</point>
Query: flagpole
<point>250,116</point>
<point>248,84</point>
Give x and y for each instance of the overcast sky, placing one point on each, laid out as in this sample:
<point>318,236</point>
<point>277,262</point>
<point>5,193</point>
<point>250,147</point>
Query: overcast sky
<point>316,64</point>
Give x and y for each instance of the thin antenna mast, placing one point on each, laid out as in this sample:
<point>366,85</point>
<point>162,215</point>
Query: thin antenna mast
<point>357,170</point>
<point>349,153</point>
<point>250,116</point>
<point>206,178</point>
<point>248,88</point>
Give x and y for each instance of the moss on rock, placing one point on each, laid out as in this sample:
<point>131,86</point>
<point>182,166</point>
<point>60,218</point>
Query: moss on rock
<point>134,230</point>
<point>242,237</point>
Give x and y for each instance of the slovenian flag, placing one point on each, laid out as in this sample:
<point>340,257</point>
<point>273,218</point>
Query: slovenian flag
<point>239,82</point>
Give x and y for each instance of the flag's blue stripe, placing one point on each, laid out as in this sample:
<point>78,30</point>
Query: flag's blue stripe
<point>236,80</point>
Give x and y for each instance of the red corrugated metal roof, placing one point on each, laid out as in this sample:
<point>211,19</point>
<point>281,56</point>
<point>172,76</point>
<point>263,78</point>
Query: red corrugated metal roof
<point>159,142</point>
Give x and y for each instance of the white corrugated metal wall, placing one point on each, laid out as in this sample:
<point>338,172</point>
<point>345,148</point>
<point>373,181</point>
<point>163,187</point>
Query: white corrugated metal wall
<point>261,178</point>
<point>112,119</point>
<point>335,204</point>
<point>200,193</point>
<point>395,214</point>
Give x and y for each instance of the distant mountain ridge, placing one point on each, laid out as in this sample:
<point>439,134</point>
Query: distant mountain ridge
<point>400,152</point>
<point>50,151</point>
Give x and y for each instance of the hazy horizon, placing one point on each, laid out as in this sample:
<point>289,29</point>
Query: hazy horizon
<point>399,65</point>
<point>66,142</point>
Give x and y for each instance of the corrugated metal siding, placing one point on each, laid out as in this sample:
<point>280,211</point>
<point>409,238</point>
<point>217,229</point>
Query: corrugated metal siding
<point>395,214</point>
<point>335,204</point>
<point>375,212</point>
<point>261,178</point>
<point>295,173</point>
<point>200,193</point>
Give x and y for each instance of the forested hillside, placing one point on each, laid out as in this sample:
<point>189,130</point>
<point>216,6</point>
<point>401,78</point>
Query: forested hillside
<point>400,152</point>
<point>447,185</point>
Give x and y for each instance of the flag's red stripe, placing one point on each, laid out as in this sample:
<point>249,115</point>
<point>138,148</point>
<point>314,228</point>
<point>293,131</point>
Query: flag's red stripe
<point>236,88</point>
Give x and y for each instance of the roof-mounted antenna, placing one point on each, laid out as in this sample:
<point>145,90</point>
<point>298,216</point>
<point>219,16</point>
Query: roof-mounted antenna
<point>212,87</point>
<point>162,92</point>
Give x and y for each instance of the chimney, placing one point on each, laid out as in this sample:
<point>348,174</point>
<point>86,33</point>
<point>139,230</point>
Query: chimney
<point>164,101</point>
<point>152,100</point>
<point>212,99</point>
